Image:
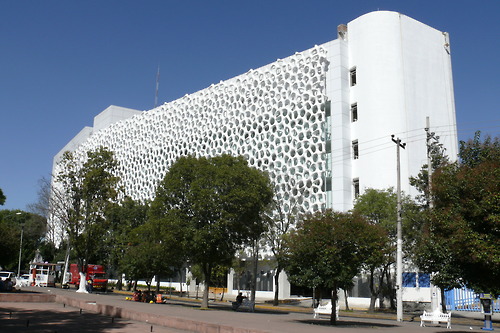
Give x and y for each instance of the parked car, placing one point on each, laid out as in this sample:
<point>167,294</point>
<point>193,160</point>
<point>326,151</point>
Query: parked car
<point>4,275</point>
<point>23,280</point>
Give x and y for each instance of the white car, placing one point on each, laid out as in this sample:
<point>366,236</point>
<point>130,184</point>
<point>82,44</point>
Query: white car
<point>5,275</point>
<point>23,280</point>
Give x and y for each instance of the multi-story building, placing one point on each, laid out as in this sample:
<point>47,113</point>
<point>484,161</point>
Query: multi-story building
<point>319,121</point>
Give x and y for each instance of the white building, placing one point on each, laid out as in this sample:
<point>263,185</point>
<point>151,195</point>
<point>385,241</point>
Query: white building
<point>319,121</point>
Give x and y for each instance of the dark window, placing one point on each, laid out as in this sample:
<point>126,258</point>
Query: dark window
<point>355,185</point>
<point>354,112</point>
<point>409,279</point>
<point>328,183</point>
<point>328,106</point>
<point>352,73</point>
<point>424,280</point>
<point>355,149</point>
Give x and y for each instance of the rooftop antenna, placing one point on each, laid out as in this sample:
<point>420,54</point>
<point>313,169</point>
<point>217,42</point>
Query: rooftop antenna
<point>157,85</point>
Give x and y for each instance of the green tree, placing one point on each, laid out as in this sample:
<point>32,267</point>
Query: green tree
<point>2,197</point>
<point>215,204</point>
<point>462,234</point>
<point>123,218</point>
<point>280,225</point>
<point>328,249</point>
<point>379,207</point>
<point>154,250</point>
<point>91,189</point>
<point>33,226</point>
<point>437,155</point>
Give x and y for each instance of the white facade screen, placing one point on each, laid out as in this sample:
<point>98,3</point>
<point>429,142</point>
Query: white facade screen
<point>274,116</point>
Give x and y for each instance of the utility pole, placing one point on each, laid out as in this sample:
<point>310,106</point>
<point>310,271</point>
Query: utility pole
<point>399,252</point>
<point>20,248</point>
<point>157,85</point>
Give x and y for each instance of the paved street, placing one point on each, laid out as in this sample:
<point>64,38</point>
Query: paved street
<point>120,315</point>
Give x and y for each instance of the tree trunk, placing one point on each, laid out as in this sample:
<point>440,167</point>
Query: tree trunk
<point>119,283</point>
<point>180,274</point>
<point>204,301</point>
<point>375,291</point>
<point>207,271</point>
<point>276,285</point>
<point>157,284</point>
<point>255,266</point>
<point>334,297</point>
<point>346,296</point>
<point>83,284</point>
<point>391,291</point>
<point>443,300</point>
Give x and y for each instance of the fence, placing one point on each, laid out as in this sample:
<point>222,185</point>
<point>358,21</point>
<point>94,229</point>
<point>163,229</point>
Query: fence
<point>466,300</point>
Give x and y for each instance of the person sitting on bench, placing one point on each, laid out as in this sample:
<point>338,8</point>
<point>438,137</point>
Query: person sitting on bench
<point>239,301</point>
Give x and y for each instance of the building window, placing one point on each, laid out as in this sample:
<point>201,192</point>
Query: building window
<point>355,149</point>
<point>409,279</point>
<point>424,280</point>
<point>328,106</point>
<point>352,74</point>
<point>354,112</point>
<point>414,280</point>
<point>355,185</point>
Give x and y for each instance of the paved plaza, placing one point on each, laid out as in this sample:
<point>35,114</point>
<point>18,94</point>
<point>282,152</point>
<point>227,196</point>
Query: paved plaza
<point>68,311</point>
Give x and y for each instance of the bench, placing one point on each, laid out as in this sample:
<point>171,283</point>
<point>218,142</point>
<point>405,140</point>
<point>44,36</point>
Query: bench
<point>325,310</point>
<point>436,317</point>
<point>245,304</point>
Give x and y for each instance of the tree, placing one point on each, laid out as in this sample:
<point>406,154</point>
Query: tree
<point>2,197</point>
<point>123,218</point>
<point>215,204</point>
<point>379,207</point>
<point>280,225</point>
<point>462,234</point>
<point>153,250</point>
<point>327,250</point>
<point>34,228</point>
<point>91,189</point>
<point>438,158</point>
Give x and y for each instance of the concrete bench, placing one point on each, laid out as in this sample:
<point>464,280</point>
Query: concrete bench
<point>436,317</point>
<point>326,310</point>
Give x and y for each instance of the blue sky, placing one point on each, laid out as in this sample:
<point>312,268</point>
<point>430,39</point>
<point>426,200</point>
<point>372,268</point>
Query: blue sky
<point>63,62</point>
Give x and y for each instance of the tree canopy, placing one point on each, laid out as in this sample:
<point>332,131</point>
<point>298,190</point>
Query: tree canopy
<point>34,229</point>
<point>462,236</point>
<point>91,188</point>
<point>379,208</point>
<point>328,249</point>
<point>214,205</point>
<point>2,197</point>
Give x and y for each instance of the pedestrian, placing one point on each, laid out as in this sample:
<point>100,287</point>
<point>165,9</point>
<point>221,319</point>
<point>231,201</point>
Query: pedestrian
<point>89,285</point>
<point>239,301</point>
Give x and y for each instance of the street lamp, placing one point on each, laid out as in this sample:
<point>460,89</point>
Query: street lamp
<point>20,247</point>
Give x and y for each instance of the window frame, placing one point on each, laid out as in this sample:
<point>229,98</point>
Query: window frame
<point>354,112</point>
<point>355,149</point>
<point>353,76</point>
<point>356,188</point>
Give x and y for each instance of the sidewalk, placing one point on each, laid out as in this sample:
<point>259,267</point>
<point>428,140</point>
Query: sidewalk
<point>185,315</point>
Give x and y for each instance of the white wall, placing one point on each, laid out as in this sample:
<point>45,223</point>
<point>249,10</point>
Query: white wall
<point>403,76</point>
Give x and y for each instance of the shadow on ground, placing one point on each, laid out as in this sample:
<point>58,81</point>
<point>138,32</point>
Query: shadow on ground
<point>224,307</point>
<point>71,320</point>
<point>346,324</point>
